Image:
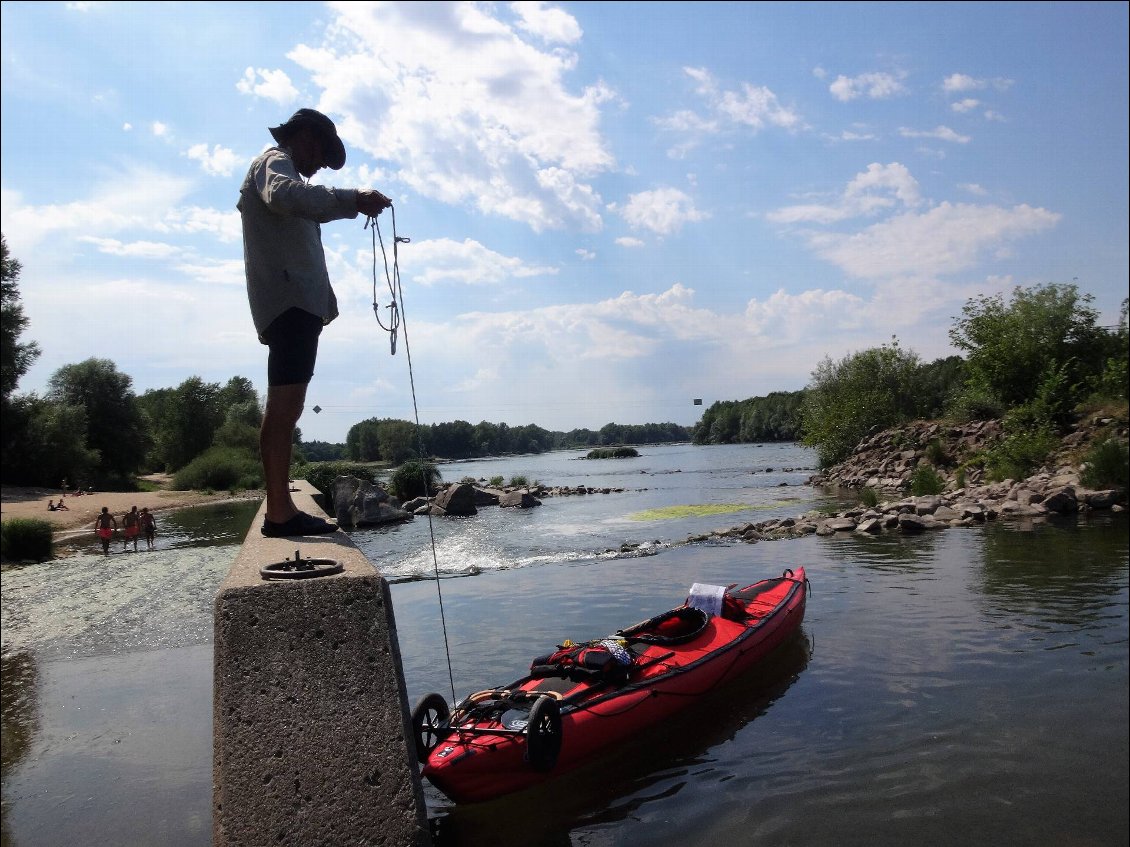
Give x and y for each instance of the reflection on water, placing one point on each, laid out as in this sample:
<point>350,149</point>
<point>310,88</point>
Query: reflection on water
<point>19,717</point>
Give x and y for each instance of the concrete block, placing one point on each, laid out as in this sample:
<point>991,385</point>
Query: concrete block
<point>312,736</point>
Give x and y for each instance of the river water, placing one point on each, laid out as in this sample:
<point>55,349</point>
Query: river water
<point>969,686</point>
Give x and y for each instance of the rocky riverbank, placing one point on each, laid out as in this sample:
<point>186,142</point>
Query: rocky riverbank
<point>885,463</point>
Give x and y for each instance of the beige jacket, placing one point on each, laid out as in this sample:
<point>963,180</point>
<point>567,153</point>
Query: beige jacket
<point>282,239</point>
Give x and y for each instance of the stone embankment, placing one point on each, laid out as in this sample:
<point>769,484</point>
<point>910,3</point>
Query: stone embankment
<point>885,463</point>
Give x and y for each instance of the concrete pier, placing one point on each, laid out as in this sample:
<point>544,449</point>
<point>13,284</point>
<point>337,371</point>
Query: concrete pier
<point>312,736</point>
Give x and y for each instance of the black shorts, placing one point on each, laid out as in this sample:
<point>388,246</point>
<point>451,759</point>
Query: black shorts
<point>292,341</point>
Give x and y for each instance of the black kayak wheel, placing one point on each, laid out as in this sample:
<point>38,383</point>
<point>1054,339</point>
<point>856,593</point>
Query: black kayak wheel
<point>543,734</point>
<point>429,724</point>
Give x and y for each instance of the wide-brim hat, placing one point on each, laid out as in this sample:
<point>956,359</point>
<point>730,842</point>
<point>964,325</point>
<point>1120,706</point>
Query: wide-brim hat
<point>332,148</point>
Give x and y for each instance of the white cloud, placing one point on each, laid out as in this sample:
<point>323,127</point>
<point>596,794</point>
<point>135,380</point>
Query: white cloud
<point>879,188</point>
<point>874,86</point>
<point>220,161</point>
<point>957,83</point>
<point>966,105</point>
<point>960,83</point>
<point>750,107</point>
<point>549,24</point>
<point>134,249</point>
<point>628,241</point>
<point>585,255</point>
<point>468,262</point>
<point>134,200</point>
<point>941,133</point>
<point>973,188</point>
<point>949,238</point>
<point>662,211</point>
<point>469,111</point>
<point>271,85</point>
<point>159,129</point>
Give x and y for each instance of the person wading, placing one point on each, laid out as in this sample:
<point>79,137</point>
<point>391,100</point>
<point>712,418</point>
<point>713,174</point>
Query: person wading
<point>288,286</point>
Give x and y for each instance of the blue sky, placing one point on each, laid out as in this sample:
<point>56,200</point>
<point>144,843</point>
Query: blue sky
<point>614,208</point>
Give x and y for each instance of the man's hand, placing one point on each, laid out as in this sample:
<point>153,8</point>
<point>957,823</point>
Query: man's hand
<point>372,203</point>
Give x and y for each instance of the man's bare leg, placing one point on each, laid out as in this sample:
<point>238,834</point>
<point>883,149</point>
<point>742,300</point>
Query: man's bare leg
<point>276,437</point>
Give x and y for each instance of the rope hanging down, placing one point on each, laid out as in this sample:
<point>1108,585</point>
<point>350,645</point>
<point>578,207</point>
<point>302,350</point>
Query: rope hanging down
<point>393,280</point>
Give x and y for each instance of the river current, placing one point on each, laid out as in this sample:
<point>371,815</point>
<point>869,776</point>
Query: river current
<point>969,686</point>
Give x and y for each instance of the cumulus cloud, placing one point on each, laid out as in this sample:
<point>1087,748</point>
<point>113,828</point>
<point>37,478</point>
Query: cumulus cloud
<point>134,249</point>
<point>271,85</point>
<point>946,239</point>
<point>879,188</point>
<point>628,241</point>
<point>662,211</point>
<point>469,263</point>
<point>747,107</point>
<point>219,161</point>
<point>548,24</point>
<point>873,86</point>
<point>467,107</point>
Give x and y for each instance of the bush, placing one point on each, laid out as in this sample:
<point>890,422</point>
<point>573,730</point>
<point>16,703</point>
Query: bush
<point>23,539</point>
<point>414,478</point>
<point>518,481</point>
<point>220,469</point>
<point>1020,453</point>
<point>495,482</point>
<point>869,497</point>
<point>322,474</point>
<point>926,480</point>
<point>936,454</point>
<point>975,404</point>
<point>613,453</point>
<point>1107,466</point>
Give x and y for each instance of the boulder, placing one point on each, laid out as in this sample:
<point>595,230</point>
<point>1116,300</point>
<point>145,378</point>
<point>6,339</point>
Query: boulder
<point>358,502</point>
<point>457,500</point>
<point>1062,500</point>
<point>911,524</point>
<point>518,500</point>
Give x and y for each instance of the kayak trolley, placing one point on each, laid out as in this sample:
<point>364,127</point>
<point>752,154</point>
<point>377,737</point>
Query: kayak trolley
<point>515,713</point>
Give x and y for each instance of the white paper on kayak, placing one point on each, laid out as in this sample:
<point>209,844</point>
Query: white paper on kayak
<point>707,597</point>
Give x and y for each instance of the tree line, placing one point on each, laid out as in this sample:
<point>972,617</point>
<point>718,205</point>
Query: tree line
<point>395,441</point>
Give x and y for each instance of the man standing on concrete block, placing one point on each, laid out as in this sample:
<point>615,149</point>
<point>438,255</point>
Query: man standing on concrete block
<point>289,289</point>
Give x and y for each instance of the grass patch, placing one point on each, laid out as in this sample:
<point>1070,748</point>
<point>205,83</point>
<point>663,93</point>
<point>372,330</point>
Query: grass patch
<point>669,513</point>
<point>26,539</point>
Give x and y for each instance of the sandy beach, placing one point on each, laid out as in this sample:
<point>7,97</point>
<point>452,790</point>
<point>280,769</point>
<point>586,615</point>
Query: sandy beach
<point>30,502</point>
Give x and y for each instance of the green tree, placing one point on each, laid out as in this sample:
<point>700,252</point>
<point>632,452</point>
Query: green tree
<point>397,441</point>
<point>1012,348</point>
<point>52,443</point>
<point>15,357</point>
<point>868,390</point>
<point>115,426</point>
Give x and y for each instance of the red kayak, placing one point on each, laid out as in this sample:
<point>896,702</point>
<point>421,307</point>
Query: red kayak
<point>583,698</point>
